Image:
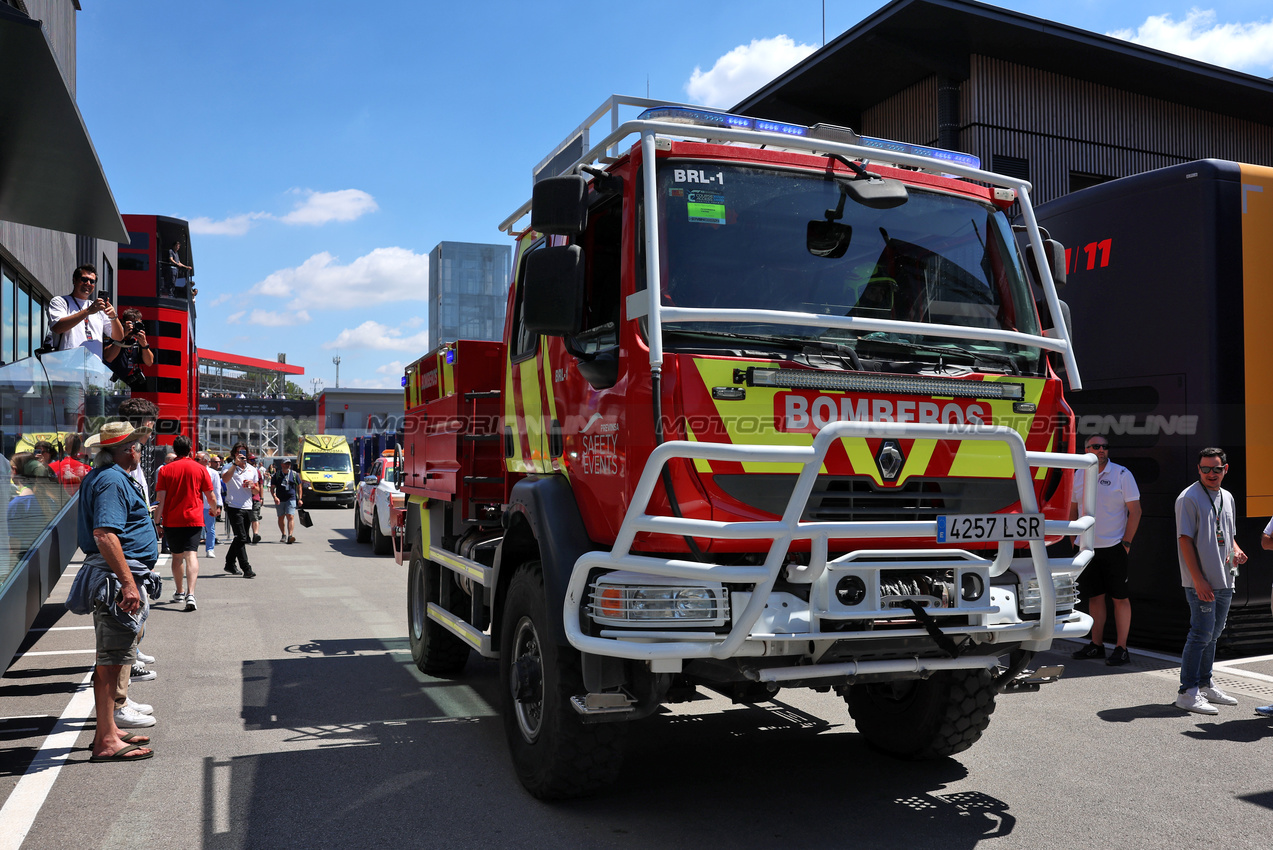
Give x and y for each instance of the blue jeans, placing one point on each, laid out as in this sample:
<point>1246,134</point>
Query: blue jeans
<point>209,530</point>
<point>1206,622</point>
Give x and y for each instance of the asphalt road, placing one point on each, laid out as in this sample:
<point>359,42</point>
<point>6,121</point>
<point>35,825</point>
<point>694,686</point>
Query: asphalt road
<point>290,715</point>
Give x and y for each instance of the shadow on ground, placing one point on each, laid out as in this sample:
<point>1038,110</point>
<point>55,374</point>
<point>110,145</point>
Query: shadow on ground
<point>380,740</point>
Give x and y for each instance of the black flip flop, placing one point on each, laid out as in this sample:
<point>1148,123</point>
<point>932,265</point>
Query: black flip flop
<point>122,755</point>
<point>134,738</point>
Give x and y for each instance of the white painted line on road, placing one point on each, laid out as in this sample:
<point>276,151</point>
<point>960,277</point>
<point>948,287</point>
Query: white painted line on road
<point>58,652</point>
<point>24,717</point>
<point>1254,659</point>
<point>64,629</point>
<point>33,788</point>
<point>221,797</point>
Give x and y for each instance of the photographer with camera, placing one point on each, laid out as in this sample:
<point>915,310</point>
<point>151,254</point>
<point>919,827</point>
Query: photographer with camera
<point>129,354</point>
<point>83,318</point>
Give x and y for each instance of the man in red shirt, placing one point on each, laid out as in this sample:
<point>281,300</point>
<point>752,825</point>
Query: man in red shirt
<point>180,487</point>
<point>71,469</point>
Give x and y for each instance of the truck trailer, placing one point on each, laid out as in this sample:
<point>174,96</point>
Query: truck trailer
<point>1170,274</point>
<point>775,407</point>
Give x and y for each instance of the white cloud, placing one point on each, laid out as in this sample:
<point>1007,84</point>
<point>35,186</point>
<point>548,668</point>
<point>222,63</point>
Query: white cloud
<point>278,318</point>
<point>316,208</point>
<point>371,334</point>
<point>393,367</point>
<point>235,318</point>
<point>744,69</point>
<point>220,299</point>
<point>322,207</point>
<point>1244,47</point>
<point>235,225</point>
<point>322,283</point>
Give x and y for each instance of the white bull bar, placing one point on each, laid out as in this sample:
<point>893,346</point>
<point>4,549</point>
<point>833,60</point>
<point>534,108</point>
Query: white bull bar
<point>654,644</point>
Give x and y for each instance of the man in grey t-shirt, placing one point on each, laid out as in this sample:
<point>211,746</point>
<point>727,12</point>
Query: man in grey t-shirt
<point>1209,554</point>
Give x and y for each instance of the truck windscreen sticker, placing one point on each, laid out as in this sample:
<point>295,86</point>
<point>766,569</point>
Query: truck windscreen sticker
<point>705,207</point>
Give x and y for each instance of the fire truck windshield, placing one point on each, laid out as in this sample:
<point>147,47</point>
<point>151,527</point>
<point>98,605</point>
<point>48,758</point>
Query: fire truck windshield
<point>738,237</point>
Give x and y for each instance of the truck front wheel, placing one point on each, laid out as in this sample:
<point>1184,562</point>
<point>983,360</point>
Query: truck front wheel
<point>555,755</point>
<point>435,650</point>
<point>928,718</point>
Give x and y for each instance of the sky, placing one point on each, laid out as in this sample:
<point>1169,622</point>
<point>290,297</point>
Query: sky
<point>320,150</point>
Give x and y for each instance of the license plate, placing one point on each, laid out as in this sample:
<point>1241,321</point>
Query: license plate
<point>973,528</point>
<point>327,498</point>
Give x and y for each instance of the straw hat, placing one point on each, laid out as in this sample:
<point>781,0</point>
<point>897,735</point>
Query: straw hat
<point>115,435</point>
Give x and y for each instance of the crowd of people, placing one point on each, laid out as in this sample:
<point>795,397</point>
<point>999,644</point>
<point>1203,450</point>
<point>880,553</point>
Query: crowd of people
<point>120,530</point>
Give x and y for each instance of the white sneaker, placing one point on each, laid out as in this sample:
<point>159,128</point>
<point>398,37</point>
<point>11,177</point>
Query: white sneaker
<point>178,597</point>
<point>139,707</point>
<point>1193,700</point>
<point>141,674</point>
<point>190,604</point>
<point>282,538</point>
<point>126,718</point>
<point>144,658</point>
<point>1216,696</point>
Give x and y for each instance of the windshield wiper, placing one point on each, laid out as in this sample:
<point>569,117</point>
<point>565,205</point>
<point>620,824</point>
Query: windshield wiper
<point>804,344</point>
<point>978,358</point>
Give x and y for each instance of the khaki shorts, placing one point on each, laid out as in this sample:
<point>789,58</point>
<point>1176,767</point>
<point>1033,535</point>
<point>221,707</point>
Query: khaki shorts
<point>116,644</point>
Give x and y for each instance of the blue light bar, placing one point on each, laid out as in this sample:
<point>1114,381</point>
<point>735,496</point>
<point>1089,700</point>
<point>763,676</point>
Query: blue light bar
<point>955,157</point>
<point>711,118</point>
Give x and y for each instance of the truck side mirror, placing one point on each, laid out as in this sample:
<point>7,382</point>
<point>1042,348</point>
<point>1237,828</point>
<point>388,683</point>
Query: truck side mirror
<point>1055,253</point>
<point>552,300</point>
<point>559,205</point>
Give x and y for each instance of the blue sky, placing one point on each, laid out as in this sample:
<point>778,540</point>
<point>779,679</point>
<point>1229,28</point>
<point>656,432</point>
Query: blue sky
<point>322,149</point>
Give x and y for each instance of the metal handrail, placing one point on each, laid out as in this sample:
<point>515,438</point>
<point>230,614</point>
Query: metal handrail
<point>790,528</point>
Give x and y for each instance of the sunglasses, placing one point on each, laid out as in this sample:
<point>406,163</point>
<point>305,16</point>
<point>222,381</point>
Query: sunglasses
<point>1098,447</point>
<point>1211,470</point>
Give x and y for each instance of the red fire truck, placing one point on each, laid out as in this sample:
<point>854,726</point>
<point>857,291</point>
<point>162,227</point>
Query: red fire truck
<point>775,407</point>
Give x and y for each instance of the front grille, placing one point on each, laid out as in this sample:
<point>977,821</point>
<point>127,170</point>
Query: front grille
<point>328,486</point>
<point>858,498</point>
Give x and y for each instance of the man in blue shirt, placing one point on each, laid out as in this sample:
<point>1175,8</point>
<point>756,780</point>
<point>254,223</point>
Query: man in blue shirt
<point>118,538</point>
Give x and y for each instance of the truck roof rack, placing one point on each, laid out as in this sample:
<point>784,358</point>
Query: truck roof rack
<point>690,121</point>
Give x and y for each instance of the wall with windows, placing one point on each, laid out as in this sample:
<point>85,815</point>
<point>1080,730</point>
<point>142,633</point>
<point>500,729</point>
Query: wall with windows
<point>468,288</point>
<point>42,404</point>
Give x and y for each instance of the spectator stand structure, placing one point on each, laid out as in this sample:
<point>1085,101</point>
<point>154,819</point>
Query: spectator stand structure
<point>246,398</point>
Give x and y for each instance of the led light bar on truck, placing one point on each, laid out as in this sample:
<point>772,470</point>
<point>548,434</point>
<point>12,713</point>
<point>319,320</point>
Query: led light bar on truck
<point>809,379</point>
<point>826,132</point>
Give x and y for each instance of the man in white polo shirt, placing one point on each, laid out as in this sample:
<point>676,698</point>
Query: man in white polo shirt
<point>1117,517</point>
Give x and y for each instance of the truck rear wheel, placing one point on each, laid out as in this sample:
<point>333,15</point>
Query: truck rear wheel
<point>555,754</point>
<point>381,543</point>
<point>435,651</point>
<point>924,718</point>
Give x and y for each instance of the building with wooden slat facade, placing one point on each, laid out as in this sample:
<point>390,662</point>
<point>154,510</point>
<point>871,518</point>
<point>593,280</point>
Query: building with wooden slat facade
<point>1056,105</point>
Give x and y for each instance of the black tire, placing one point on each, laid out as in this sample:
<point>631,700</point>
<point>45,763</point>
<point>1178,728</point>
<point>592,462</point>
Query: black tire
<point>924,719</point>
<point>555,755</point>
<point>434,650</point>
<point>362,534</point>
<point>381,544</point>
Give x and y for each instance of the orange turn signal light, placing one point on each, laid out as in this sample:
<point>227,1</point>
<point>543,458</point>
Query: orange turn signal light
<point>610,602</point>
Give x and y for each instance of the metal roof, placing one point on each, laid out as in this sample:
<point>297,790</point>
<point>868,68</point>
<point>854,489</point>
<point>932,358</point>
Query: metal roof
<point>910,40</point>
<point>49,172</point>
<point>207,355</point>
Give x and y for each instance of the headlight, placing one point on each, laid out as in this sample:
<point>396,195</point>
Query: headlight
<point>349,485</point>
<point>1066,594</point>
<point>618,600</point>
